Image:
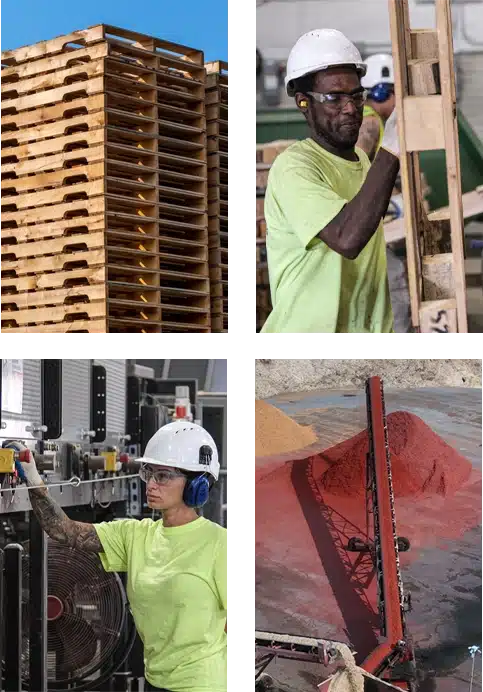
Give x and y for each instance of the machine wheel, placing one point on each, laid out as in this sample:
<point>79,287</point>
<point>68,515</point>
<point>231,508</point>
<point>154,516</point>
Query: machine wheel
<point>403,544</point>
<point>357,545</point>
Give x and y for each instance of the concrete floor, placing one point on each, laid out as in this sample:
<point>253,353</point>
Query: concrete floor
<point>445,581</point>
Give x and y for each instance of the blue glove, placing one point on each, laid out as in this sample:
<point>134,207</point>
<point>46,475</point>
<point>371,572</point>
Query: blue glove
<point>20,471</point>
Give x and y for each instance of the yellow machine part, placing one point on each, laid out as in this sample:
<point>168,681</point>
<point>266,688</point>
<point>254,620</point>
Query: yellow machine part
<point>110,460</point>
<point>7,461</point>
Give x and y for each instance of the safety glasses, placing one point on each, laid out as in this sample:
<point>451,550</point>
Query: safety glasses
<point>339,100</point>
<point>161,476</point>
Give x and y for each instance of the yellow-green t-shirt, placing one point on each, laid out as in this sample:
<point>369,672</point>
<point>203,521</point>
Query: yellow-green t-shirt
<point>369,112</point>
<point>177,592</point>
<point>313,288</point>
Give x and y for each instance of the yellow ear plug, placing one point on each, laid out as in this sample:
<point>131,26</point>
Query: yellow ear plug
<point>303,104</point>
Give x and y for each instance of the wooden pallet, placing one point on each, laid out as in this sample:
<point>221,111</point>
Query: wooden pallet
<point>426,107</point>
<point>128,43</point>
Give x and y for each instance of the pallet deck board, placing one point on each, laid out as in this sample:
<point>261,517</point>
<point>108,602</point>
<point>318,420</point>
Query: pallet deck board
<point>58,296</point>
<point>93,326</point>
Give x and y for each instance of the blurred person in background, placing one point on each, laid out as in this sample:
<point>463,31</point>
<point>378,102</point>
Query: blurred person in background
<point>379,82</point>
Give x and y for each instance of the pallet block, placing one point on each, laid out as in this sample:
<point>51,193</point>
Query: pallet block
<point>426,107</point>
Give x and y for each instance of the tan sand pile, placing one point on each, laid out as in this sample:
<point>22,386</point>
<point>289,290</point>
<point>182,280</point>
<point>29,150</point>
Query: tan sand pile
<point>276,433</point>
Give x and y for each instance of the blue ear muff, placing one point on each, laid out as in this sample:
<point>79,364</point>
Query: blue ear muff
<point>196,491</point>
<point>381,92</point>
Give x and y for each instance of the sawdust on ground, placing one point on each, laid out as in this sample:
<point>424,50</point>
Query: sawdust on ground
<point>276,433</point>
<point>275,375</point>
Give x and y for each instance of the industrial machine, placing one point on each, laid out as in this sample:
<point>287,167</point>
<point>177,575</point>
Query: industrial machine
<point>392,661</point>
<point>65,623</point>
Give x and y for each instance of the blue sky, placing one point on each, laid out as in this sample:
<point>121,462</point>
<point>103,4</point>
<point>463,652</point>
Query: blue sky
<point>198,24</point>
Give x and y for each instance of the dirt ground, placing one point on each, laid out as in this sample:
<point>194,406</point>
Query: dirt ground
<point>278,373</point>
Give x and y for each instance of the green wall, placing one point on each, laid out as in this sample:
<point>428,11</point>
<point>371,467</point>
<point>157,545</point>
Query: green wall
<point>288,123</point>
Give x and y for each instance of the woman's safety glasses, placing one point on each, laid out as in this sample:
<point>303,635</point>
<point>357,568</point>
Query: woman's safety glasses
<point>161,476</point>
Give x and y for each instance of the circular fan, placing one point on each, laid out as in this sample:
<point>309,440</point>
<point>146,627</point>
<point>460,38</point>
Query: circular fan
<point>86,613</point>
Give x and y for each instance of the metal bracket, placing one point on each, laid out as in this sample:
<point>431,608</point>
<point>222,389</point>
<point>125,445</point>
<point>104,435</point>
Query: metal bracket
<point>98,403</point>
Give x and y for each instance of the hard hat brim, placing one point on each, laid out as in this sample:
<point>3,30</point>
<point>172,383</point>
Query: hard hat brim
<point>359,67</point>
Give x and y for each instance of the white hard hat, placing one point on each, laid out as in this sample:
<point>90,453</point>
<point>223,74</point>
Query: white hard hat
<point>380,70</point>
<point>319,50</point>
<point>183,445</point>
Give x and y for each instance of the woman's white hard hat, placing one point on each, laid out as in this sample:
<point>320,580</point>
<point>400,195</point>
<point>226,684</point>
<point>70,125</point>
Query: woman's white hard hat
<point>183,445</point>
<point>319,50</point>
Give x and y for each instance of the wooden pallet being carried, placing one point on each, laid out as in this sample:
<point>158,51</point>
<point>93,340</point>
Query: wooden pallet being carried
<point>426,108</point>
<point>217,129</point>
<point>104,184</point>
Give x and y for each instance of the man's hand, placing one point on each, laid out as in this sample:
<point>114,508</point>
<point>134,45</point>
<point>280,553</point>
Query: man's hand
<point>390,140</point>
<point>369,136</point>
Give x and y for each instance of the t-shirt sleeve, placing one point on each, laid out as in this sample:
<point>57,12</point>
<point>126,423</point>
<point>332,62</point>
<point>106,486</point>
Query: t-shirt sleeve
<point>220,569</point>
<point>307,201</point>
<point>114,538</point>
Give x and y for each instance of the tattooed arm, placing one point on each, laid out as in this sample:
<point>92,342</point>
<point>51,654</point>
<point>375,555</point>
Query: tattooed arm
<point>57,525</point>
<point>369,136</point>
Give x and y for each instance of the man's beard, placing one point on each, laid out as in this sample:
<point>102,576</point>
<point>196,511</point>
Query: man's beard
<point>334,139</point>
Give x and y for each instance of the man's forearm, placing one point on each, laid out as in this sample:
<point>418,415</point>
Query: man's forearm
<point>58,526</point>
<point>357,222</point>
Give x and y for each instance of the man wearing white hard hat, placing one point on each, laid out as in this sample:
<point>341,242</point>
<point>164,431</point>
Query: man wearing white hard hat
<point>324,202</point>
<point>379,82</point>
<point>176,566</point>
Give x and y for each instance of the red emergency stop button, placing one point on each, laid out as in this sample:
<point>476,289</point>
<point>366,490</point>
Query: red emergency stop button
<point>25,456</point>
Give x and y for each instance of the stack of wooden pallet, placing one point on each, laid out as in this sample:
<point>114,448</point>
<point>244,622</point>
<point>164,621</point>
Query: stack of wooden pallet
<point>104,185</point>
<point>217,128</point>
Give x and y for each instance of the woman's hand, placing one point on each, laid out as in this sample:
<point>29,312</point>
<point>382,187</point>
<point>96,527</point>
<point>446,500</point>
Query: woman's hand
<point>27,469</point>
